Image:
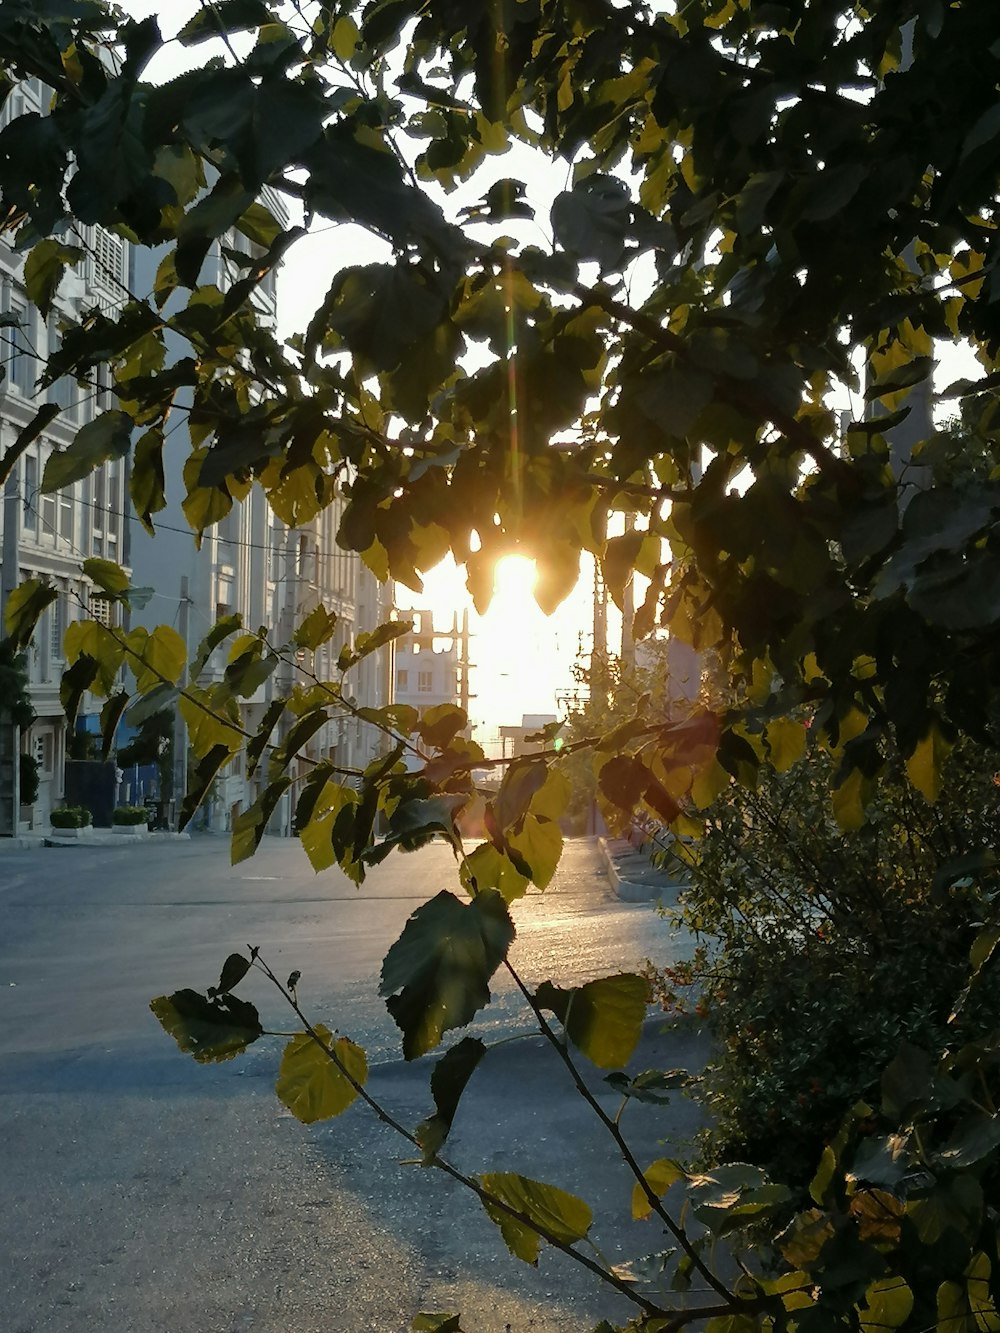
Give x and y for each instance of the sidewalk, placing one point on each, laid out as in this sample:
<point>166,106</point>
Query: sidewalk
<point>633,876</point>
<point>100,837</point>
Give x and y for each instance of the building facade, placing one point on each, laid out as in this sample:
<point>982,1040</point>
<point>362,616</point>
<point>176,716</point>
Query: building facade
<point>252,565</point>
<point>48,536</point>
<point>432,664</point>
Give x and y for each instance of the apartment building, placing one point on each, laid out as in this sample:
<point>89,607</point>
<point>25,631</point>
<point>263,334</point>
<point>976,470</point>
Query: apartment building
<point>432,664</point>
<point>252,565</point>
<point>47,536</point>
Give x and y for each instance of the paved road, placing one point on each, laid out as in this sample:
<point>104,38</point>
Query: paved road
<point>144,1194</point>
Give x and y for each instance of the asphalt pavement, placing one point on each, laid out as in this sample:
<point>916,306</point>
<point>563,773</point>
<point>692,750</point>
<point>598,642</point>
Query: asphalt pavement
<point>146,1194</point>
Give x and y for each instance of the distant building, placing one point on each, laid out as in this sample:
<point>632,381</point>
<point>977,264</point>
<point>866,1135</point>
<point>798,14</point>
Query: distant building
<point>514,739</point>
<point>432,665</point>
<point>47,536</point>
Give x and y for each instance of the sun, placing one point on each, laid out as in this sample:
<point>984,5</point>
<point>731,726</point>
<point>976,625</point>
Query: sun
<point>514,579</point>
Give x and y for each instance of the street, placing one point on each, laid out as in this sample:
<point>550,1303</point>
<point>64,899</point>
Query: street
<point>147,1194</point>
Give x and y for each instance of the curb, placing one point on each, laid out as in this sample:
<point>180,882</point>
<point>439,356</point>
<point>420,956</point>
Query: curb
<point>101,838</point>
<point>630,890</point>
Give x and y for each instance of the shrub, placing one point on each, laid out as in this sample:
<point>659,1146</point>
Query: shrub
<point>823,951</point>
<point>70,816</point>
<point>130,814</point>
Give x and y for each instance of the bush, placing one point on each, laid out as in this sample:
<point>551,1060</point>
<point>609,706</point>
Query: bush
<point>70,816</point>
<point>130,814</point>
<point>823,951</point>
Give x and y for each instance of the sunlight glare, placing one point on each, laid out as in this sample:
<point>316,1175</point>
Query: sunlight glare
<point>514,580</point>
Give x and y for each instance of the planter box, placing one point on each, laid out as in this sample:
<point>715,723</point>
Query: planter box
<point>79,833</point>
<point>130,830</point>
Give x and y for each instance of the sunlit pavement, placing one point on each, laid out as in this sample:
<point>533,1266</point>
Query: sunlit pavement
<point>143,1192</point>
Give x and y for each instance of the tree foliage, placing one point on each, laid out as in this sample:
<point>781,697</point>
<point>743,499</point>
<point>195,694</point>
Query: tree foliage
<point>764,205</point>
<point>823,951</point>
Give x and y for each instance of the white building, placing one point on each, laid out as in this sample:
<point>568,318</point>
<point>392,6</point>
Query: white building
<point>432,664</point>
<point>272,576</point>
<point>47,536</point>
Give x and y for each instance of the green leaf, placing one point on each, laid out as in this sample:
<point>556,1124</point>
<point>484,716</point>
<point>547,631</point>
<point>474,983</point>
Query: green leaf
<point>652,1085</point>
<point>973,1141</point>
<point>24,607</point>
<point>224,16</point>
<point>659,1176</point>
<point>219,632</point>
<point>107,575</point>
<point>435,977</point>
<point>448,1081</point>
<point>562,1216</point>
<point>46,413</point>
<point>110,717</point>
<point>522,780</point>
<point>313,1086</point>
<point>258,744</point>
<point>730,1196</point>
<point>603,1018</point>
<point>199,781</point>
<point>75,682</point>
<point>147,484</point>
<point>440,724</point>
<point>436,1323</point>
<point>318,627</point>
<point>146,705</point>
<point>250,825</point>
<point>366,644</point>
<point>888,1304</point>
<point>234,969</point>
<point>44,269</point>
<point>209,1029</point>
<point>106,437</point>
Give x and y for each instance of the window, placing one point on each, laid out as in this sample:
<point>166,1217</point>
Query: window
<point>30,493</point>
<point>104,398</point>
<point>57,625</point>
<point>102,609</point>
<point>20,362</point>
<point>425,681</point>
<point>402,681</point>
<point>49,517</point>
<point>109,260</point>
<point>98,510</point>
<point>62,392</point>
<point>66,516</point>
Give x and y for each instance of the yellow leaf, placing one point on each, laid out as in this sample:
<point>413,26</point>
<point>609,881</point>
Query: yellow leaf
<point>978,1288</point>
<point>316,837</point>
<point>539,843</point>
<point>952,1308</point>
<point>344,38</point>
<point>210,721</point>
<point>888,1303</point>
<point>659,1176</point>
<point>849,801</point>
<point>490,869</point>
<point>163,658</point>
<point>925,764</point>
<point>564,96</point>
<point>786,740</point>
<point>313,1086</point>
<point>710,782</point>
